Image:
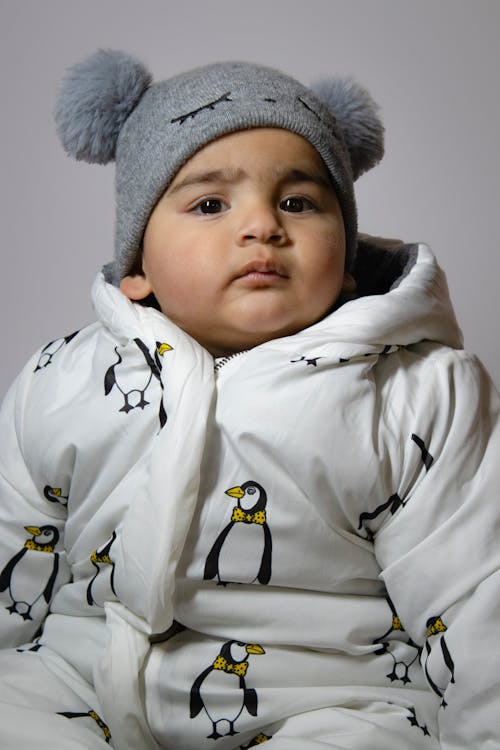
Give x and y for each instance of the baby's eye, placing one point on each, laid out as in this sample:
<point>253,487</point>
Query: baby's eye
<point>210,206</point>
<point>296,204</point>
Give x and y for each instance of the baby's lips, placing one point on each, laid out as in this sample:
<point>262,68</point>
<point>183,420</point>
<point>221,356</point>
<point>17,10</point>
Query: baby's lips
<point>263,266</point>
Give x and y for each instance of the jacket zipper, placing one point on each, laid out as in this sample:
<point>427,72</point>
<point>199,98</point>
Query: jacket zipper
<point>221,361</point>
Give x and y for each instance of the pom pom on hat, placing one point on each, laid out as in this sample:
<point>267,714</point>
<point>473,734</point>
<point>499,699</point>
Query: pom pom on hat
<point>356,114</point>
<point>96,97</point>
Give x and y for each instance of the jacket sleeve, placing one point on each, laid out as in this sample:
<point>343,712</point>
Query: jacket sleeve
<point>32,560</point>
<point>439,549</point>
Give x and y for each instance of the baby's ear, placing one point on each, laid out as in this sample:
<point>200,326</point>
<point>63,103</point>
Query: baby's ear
<point>356,114</point>
<point>135,287</point>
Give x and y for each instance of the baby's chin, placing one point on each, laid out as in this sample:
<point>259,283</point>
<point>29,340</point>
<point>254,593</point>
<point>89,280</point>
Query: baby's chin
<point>226,346</point>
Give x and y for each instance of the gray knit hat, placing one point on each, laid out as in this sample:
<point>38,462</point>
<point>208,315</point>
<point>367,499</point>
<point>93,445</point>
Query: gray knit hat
<point>108,109</point>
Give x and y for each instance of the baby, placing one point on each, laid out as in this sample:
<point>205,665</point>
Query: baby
<point>255,502</point>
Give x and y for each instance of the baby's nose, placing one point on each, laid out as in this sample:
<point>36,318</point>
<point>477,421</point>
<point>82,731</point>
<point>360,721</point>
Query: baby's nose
<point>261,223</point>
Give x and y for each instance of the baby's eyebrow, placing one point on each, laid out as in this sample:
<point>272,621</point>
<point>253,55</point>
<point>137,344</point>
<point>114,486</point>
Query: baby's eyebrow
<point>216,175</point>
<point>285,176</point>
<point>290,176</point>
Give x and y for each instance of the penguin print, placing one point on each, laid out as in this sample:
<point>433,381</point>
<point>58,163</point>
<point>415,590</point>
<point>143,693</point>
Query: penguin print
<point>35,644</point>
<point>395,502</point>
<point>407,657</point>
<point>17,577</point>
<point>132,380</point>
<point>427,459</point>
<point>92,715</point>
<point>436,626</point>
<point>388,349</point>
<point>104,566</point>
<point>242,551</point>
<point>51,350</point>
<point>55,495</point>
<point>257,740</point>
<point>313,361</point>
<point>414,722</point>
<point>392,505</point>
<point>221,690</point>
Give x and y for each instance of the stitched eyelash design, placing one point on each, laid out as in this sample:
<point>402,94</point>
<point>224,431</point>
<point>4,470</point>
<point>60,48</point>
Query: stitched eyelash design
<point>307,106</point>
<point>227,98</point>
<point>211,105</point>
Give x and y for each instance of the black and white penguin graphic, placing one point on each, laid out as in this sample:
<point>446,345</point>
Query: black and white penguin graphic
<point>35,644</point>
<point>51,349</point>
<point>259,739</point>
<point>86,715</point>
<point>414,721</point>
<point>55,495</point>
<point>393,504</point>
<point>396,643</point>
<point>132,379</point>
<point>221,691</point>
<point>436,627</point>
<point>395,501</point>
<point>105,569</point>
<point>242,552</point>
<point>29,579</point>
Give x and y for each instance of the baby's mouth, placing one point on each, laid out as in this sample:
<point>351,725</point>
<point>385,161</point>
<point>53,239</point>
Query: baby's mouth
<point>262,271</point>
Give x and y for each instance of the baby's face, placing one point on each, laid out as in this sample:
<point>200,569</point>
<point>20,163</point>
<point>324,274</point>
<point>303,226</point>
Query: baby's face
<point>247,243</point>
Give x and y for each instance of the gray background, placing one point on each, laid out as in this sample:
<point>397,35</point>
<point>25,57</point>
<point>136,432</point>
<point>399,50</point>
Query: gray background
<point>432,65</point>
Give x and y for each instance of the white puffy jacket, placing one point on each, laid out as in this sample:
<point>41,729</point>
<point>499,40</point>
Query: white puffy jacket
<point>358,550</point>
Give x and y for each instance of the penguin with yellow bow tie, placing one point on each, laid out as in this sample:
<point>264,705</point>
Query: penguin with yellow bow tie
<point>242,551</point>
<point>221,691</point>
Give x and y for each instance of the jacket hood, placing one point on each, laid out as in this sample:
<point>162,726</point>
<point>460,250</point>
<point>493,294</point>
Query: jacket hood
<point>402,298</point>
